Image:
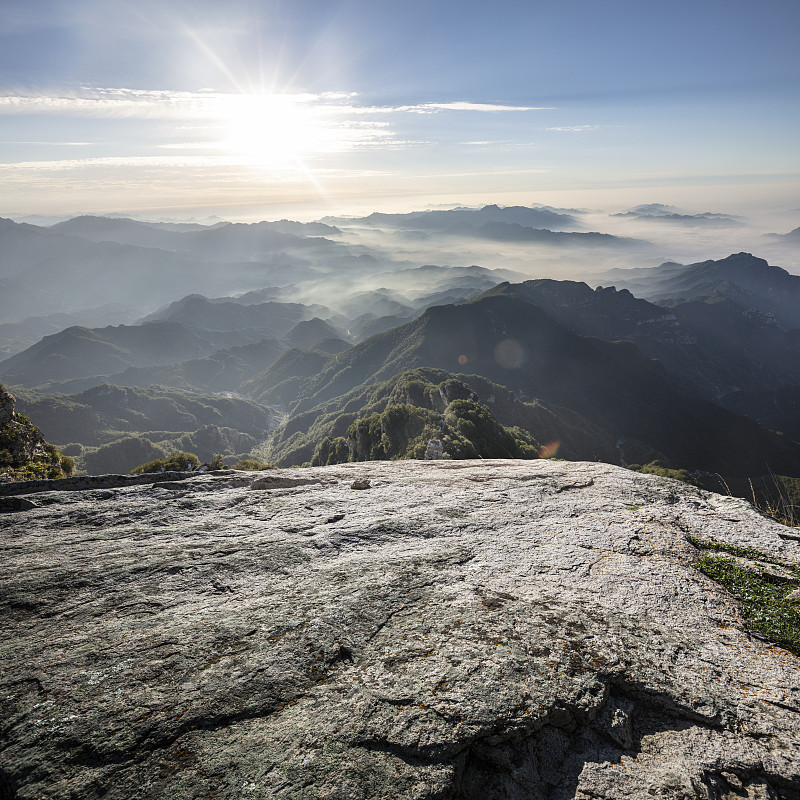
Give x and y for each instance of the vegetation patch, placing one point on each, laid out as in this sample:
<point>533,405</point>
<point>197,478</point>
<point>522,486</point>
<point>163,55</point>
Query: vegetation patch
<point>734,550</point>
<point>470,416</point>
<point>250,464</point>
<point>763,596</point>
<point>175,462</point>
<point>779,497</point>
<point>25,455</point>
<point>465,429</point>
<point>657,468</point>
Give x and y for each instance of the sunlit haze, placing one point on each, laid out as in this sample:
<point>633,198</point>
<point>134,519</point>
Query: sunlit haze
<point>253,110</point>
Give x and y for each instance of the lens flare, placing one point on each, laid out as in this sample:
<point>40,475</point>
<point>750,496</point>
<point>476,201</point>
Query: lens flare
<point>549,450</point>
<point>509,353</point>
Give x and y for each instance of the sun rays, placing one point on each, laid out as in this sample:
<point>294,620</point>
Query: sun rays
<point>274,130</point>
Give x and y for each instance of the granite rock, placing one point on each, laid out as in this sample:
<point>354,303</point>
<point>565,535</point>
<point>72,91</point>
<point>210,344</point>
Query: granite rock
<point>473,630</point>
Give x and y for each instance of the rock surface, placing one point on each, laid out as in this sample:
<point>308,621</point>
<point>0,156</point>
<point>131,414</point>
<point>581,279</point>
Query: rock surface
<point>466,630</point>
<point>86,482</point>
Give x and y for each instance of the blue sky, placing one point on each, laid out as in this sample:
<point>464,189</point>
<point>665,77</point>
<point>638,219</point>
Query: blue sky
<point>238,107</point>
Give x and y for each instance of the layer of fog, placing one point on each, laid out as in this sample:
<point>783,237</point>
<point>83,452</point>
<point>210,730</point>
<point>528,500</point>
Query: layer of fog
<point>365,258</point>
<point>649,243</point>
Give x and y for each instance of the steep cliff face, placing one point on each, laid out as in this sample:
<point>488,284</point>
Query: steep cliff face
<point>24,453</point>
<point>515,630</point>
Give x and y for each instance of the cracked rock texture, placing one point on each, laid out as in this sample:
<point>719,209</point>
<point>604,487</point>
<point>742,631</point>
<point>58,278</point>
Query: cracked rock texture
<point>469,630</point>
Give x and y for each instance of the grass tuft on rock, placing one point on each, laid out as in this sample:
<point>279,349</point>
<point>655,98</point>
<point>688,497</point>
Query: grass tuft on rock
<point>764,597</point>
<point>735,550</point>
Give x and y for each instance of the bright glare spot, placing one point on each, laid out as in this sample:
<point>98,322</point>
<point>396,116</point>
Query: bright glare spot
<point>272,130</point>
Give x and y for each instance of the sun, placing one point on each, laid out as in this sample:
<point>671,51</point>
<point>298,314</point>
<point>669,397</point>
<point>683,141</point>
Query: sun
<point>271,130</point>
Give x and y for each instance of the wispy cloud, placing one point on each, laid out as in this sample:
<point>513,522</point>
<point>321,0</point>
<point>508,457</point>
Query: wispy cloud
<point>263,125</point>
<point>129,103</point>
<point>164,104</point>
<point>500,144</point>
<point>574,128</point>
<point>51,143</point>
<point>464,106</point>
<point>114,162</point>
<point>434,108</point>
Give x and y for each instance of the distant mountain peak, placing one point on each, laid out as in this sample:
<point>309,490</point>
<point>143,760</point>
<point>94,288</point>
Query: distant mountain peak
<point>655,209</point>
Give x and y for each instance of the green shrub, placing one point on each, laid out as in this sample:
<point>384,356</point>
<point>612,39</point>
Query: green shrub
<point>252,464</point>
<point>467,429</point>
<point>174,462</point>
<point>657,468</point>
<point>218,462</point>
<point>25,455</point>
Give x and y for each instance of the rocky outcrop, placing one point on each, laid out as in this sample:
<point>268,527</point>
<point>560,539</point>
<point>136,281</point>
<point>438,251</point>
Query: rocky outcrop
<point>465,630</point>
<point>7,402</point>
<point>23,449</point>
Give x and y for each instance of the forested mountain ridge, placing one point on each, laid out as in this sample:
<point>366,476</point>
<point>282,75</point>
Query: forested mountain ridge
<point>613,376</point>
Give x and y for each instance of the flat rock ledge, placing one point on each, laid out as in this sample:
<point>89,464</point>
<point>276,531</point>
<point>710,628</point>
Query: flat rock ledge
<point>82,483</point>
<point>470,630</point>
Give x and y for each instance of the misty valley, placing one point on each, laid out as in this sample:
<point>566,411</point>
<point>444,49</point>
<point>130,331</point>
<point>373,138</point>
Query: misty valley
<point>356,338</point>
<point>399,400</point>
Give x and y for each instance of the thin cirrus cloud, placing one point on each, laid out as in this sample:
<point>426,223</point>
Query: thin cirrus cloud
<point>254,124</point>
<point>46,142</point>
<point>134,103</point>
<point>574,128</point>
<point>462,106</point>
<point>103,102</point>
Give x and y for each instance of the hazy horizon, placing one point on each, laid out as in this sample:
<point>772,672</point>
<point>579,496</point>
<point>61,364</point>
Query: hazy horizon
<point>657,241</point>
<point>265,110</point>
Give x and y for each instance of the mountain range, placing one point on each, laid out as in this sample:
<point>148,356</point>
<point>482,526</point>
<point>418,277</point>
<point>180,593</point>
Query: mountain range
<point>695,366</point>
<point>495,223</point>
<point>91,261</point>
<point>511,342</point>
<point>659,212</point>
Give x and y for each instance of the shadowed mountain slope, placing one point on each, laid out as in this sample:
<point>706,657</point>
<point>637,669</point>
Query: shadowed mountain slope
<point>511,342</point>
<point>308,333</point>
<point>79,352</point>
<point>45,271</point>
<point>711,348</point>
<point>236,240</point>
<point>559,430</point>
<point>104,412</point>
<point>189,329</point>
<point>275,318</point>
<point>222,371</point>
<point>742,277</point>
